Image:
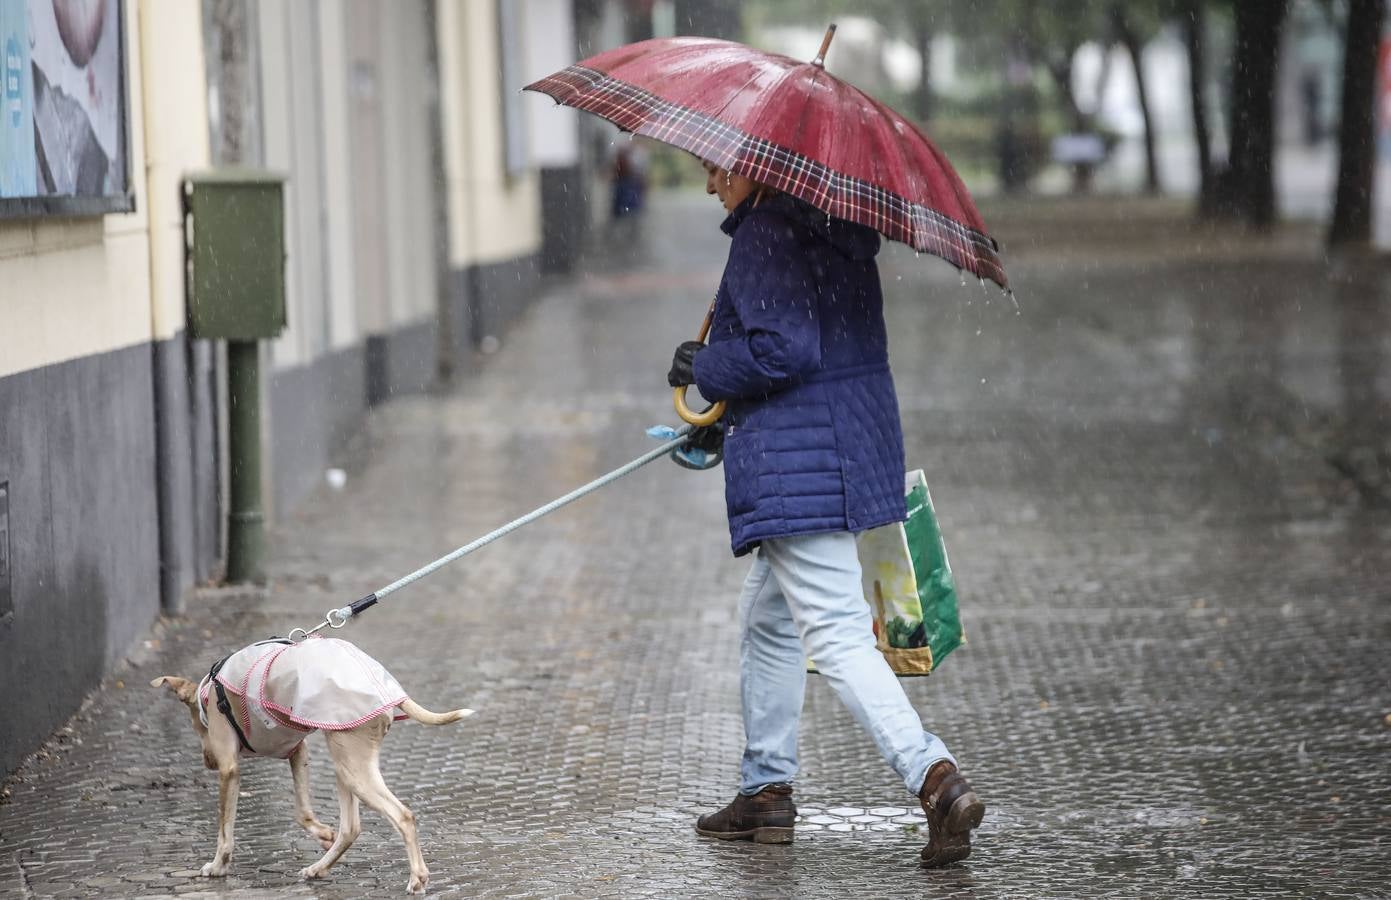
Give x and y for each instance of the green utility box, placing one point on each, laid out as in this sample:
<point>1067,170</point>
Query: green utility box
<point>234,222</point>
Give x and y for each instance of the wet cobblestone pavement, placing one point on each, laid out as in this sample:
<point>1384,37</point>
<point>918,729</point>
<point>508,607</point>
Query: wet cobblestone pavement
<point>1162,483</point>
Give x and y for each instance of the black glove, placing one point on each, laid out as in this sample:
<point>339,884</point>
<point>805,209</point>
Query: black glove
<point>706,438</point>
<point>709,438</point>
<point>682,371</point>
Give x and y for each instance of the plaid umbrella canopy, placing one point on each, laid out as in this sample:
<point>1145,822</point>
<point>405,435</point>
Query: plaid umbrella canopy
<point>792,126</point>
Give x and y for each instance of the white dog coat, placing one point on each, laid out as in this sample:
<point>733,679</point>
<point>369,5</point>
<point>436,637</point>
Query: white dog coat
<point>318,683</point>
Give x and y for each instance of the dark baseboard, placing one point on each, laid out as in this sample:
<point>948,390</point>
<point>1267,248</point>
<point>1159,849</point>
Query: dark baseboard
<point>315,410</point>
<point>564,217</point>
<point>402,362</point>
<point>77,455</point>
<point>487,298</point>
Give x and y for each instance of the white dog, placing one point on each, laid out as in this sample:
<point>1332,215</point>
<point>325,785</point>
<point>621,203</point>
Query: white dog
<point>266,698</point>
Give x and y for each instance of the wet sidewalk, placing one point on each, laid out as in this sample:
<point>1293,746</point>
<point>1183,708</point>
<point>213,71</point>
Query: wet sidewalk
<point>1162,486</point>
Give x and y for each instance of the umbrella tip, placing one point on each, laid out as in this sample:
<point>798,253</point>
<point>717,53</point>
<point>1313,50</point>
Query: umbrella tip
<point>820,60</point>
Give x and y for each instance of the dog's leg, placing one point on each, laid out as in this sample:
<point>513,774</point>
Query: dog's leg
<point>304,814</point>
<point>356,755</point>
<point>349,827</point>
<point>222,744</point>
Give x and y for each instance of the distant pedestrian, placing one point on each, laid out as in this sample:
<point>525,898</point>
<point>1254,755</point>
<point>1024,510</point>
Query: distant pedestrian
<point>813,454</point>
<point>629,180</point>
<point>1311,106</point>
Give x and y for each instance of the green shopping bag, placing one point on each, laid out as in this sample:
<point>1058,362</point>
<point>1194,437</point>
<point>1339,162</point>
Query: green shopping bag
<point>908,585</point>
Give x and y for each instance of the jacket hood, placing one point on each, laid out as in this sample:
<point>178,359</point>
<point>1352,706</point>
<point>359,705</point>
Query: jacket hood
<point>851,240</point>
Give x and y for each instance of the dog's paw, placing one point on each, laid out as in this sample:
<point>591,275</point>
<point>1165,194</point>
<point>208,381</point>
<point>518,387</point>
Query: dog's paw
<point>214,869</point>
<point>309,873</point>
<point>324,835</point>
<point>417,884</point>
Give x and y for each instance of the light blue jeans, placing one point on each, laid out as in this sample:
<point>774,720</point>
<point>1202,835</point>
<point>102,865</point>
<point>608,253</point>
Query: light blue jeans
<point>803,598</point>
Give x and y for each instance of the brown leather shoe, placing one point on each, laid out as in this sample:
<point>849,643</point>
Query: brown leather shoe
<point>953,810</point>
<point>767,817</point>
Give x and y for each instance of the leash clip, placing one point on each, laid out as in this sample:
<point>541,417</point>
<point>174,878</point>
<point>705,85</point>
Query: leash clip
<point>334,618</point>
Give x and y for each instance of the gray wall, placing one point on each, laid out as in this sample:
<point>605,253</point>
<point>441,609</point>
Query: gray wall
<point>403,362</point>
<point>314,411</point>
<point>187,455</point>
<point>77,447</point>
<point>565,207</point>
<point>488,298</point>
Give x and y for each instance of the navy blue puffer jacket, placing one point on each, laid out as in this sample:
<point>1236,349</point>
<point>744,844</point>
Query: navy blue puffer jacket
<point>798,348</point>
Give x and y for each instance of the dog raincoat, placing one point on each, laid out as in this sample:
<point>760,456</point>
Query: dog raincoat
<point>318,683</point>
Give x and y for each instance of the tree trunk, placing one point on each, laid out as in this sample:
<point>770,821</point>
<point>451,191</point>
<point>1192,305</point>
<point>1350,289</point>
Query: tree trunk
<point>1352,207</point>
<point>1126,35</point>
<point>1061,71</point>
<point>1193,16</point>
<point>1060,68</point>
<point>922,38</point>
<point>1250,163</point>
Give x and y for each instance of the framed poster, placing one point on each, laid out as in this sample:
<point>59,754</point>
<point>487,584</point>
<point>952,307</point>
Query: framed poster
<point>63,109</point>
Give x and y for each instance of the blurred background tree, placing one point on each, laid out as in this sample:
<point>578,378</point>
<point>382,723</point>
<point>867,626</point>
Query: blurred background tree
<point>1192,20</point>
<point>1246,185</point>
<point>1012,89</point>
<point>1134,23</point>
<point>1352,203</point>
<point>921,20</point>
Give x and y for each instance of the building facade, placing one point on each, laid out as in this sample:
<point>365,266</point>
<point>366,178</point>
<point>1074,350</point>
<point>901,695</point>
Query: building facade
<point>416,210</point>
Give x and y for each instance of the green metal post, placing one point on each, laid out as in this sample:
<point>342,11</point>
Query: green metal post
<point>246,525</point>
<point>236,292</point>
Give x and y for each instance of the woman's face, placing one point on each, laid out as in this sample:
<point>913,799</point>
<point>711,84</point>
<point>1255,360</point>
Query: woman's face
<point>731,189</point>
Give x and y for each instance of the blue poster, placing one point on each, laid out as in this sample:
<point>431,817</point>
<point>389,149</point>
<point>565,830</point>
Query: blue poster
<point>18,166</point>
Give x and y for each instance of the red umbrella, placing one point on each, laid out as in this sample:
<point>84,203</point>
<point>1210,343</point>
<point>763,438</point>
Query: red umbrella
<point>790,125</point>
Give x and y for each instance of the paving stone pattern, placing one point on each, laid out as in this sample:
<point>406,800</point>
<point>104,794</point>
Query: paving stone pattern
<point>1178,610</point>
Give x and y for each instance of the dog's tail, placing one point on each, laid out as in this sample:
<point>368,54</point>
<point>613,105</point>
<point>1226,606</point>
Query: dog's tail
<point>425,717</point>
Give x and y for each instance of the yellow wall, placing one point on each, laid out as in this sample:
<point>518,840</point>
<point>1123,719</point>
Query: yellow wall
<point>343,326</point>
<point>74,287</point>
<point>410,241</point>
<point>176,143</point>
<point>491,217</point>
<point>291,53</point>
<point>77,287</point>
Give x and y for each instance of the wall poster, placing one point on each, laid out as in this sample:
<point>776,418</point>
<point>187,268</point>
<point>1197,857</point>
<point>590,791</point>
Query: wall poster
<point>63,128</point>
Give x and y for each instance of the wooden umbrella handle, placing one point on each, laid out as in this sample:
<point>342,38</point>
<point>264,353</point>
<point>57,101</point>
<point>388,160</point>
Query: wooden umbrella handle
<point>711,415</point>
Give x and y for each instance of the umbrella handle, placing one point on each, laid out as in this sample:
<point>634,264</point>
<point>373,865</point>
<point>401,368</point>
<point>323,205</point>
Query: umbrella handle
<point>678,398</point>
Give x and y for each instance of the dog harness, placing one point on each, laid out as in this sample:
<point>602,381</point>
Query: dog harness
<point>289,690</point>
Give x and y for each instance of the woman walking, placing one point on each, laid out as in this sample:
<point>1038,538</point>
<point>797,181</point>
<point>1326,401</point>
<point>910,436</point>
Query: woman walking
<point>813,454</point>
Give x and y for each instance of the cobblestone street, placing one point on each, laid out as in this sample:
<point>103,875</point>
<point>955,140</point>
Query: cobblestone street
<point>1162,480</point>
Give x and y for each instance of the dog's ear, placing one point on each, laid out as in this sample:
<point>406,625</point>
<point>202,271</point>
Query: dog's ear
<point>182,687</point>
